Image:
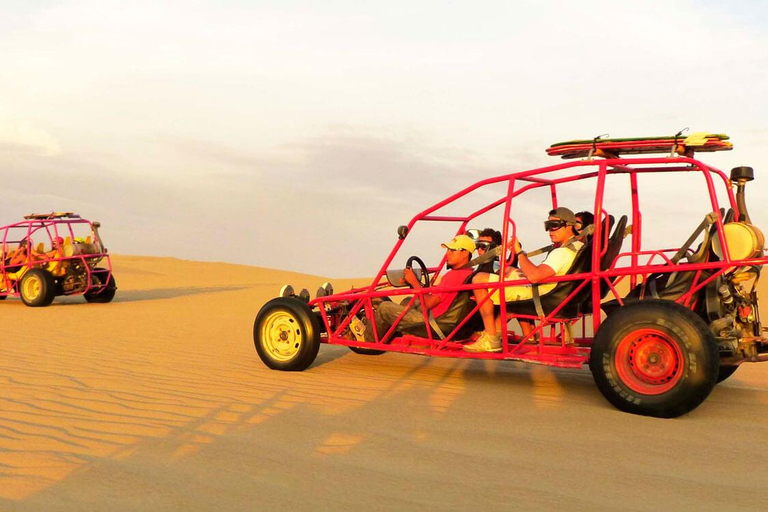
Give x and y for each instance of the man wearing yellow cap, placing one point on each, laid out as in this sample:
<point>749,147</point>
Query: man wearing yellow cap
<point>458,253</point>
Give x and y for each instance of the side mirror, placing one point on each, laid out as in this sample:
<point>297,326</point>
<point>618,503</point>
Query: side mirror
<point>402,232</point>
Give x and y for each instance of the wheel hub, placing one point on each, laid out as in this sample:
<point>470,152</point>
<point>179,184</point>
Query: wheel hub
<point>32,288</point>
<point>281,335</point>
<point>649,361</point>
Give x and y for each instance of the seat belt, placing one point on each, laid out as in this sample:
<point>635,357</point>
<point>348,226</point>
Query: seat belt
<point>435,327</point>
<point>709,219</point>
<point>484,258</point>
<point>537,301</point>
<point>653,289</point>
<point>535,287</point>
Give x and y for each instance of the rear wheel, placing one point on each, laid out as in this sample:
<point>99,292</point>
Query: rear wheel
<point>655,358</point>
<point>366,351</point>
<point>725,372</point>
<point>106,294</point>
<point>286,334</point>
<point>37,288</point>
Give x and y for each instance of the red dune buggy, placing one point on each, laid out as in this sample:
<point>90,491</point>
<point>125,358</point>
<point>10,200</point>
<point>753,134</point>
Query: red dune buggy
<point>658,325</point>
<point>46,255</point>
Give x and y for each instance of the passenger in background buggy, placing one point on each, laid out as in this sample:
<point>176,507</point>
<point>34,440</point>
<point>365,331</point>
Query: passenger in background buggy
<point>15,260</point>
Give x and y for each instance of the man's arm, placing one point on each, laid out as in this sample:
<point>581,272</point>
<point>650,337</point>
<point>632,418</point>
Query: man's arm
<point>534,273</point>
<point>428,301</point>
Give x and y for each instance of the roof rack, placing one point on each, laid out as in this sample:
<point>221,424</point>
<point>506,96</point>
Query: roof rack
<point>614,148</point>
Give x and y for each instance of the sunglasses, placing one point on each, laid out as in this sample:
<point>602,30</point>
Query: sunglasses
<point>483,245</point>
<point>554,225</point>
<point>455,250</point>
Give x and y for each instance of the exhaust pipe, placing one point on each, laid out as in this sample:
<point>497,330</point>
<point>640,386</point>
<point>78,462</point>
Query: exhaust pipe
<point>740,176</point>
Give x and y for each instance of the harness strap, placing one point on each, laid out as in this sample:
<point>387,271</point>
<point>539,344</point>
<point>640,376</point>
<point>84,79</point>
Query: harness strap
<point>709,219</point>
<point>537,301</point>
<point>569,244</point>
<point>484,258</point>
<point>541,250</point>
<point>654,291</point>
<point>433,324</point>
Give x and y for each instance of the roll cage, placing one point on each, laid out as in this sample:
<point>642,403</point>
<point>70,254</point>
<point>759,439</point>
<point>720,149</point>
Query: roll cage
<point>61,243</point>
<point>552,342</point>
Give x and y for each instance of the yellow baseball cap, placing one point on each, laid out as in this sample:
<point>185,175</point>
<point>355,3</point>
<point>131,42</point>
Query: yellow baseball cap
<point>460,242</point>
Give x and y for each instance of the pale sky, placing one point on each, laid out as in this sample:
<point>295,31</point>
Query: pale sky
<point>299,135</point>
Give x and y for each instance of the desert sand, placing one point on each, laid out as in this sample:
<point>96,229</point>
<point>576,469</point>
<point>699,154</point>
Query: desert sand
<point>158,401</point>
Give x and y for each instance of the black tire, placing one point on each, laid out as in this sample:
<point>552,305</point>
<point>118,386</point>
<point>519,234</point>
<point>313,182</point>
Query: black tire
<point>3,297</point>
<point>108,293</point>
<point>366,351</point>
<point>37,288</point>
<point>655,358</point>
<point>286,334</point>
<point>726,371</point>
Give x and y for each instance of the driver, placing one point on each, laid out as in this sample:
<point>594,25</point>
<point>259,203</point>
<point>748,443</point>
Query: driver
<point>458,253</point>
<point>20,257</point>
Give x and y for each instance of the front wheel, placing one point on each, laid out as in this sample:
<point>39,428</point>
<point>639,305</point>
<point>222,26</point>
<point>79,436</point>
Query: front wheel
<point>655,358</point>
<point>37,288</point>
<point>286,334</point>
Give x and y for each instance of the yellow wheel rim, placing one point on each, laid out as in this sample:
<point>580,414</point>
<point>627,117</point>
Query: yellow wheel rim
<point>31,288</point>
<point>281,335</point>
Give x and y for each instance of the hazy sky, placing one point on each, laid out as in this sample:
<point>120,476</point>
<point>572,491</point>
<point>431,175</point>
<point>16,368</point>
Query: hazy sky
<point>299,135</point>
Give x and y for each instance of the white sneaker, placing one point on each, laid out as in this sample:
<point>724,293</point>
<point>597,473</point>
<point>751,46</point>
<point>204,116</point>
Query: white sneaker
<point>485,343</point>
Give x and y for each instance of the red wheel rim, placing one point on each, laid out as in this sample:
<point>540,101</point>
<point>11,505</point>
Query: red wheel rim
<point>649,362</point>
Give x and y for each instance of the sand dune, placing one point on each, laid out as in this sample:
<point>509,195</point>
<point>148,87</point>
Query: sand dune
<point>158,401</point>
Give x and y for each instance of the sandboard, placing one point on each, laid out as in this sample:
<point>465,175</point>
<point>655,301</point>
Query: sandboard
<point>614,148</point>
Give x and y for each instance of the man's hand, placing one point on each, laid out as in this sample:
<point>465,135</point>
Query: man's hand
<point>428,301</point>
<point>515,245</point>
<point>410,278</point>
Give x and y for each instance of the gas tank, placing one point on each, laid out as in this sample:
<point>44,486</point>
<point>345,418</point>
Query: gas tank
<point>744,241</point>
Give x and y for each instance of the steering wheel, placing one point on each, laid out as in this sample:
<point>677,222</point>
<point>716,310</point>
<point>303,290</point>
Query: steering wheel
<point>424,272</point>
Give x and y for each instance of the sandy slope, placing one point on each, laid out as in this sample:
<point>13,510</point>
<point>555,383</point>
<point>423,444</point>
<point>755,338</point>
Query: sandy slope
<point>158,401</point>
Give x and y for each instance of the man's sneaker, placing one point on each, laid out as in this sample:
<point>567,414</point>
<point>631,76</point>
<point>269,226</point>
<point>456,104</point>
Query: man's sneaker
<point>475,336</point>
<point>485,343</point>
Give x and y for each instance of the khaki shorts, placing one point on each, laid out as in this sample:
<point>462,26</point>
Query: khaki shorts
<point>511,293</point>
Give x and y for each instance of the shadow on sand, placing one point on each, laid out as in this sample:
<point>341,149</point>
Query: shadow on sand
<point>170,293</point>
<point>138,295</point>
<point>330,353</point>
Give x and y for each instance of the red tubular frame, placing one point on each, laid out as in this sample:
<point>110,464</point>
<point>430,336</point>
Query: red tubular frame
<point>51,228</point>
<point>550,349</point>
